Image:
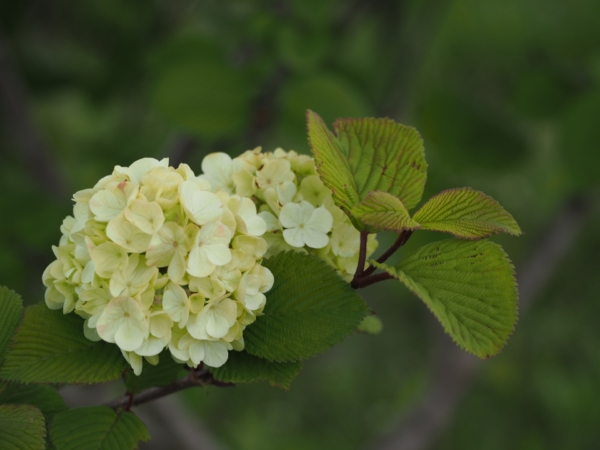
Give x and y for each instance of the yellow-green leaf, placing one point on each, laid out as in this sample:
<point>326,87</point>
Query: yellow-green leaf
<point>366,155</point>
<point>466,214</point>
<point>383,211</point>
<point>469,286</point>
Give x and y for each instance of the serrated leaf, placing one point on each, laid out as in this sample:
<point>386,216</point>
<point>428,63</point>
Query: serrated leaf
<point>97,428</point>
<point>366,155</point>
<point>22,427</point>
<point>241,367</point>
<point>466,214</point>
<point>371,325</point>
<point>309,309</point>
<point>469,286</point>
<point>11,308</point>
<point>50,347</point>
<point>46,398</point>
<point>384,212</point>
<point>165,372</point>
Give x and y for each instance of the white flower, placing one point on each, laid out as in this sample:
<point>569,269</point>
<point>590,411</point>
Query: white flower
<point>273,173</point>
<point>169,247</point>
<point>210,249</point>
<point>124,323</point>
<point>218,168</point>
<point>345,240</point>
<point>215,319</point>
<point>202,206</point>
<point>110,202</point>
<point>305,224</point>
<point>176,304</point>
<point>248,222</point>
<point>139,168</point>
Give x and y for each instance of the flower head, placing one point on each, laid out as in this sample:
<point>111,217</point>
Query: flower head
<point>155,257</point>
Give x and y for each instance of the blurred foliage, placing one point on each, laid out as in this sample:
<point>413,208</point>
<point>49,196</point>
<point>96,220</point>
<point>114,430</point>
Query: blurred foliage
<point>504,92</point>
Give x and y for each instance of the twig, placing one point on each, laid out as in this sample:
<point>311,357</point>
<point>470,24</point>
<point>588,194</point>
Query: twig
<point>363,282</point>
<point>453,369</point>
<point>362,255</point>
<point>402,238</point>
<point>194,379</point>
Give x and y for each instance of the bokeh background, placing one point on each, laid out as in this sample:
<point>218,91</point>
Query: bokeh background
<point>506,94</point>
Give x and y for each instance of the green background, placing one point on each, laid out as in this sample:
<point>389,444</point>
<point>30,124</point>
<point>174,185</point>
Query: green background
<point>506,94</point>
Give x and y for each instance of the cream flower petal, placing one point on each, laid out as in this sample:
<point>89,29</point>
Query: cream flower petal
<point>176,304</point>
<point>147,216</point>
<point>320,220</point>
<point>218,169</point>
<point>127,235</point>
<point>139,168</point>
<point>314,239</point>
<point>215,353</point>
<point>202,206</point>
<point>294,237</point>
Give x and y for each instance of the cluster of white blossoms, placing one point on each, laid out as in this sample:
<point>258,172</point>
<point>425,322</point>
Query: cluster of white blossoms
<point>156,257</point>
<point>294,203</point>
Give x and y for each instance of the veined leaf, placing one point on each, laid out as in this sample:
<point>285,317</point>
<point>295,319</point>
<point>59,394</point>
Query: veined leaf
<point>22,427</point>
<point>241,367</point>
<point>165,372</point>
<point>466,214</point>
<point>46,398</point>
<point>11,308</point>
<point>383,211</point>
<point>97,428</point>
<point>309,309</point>
<point>366,155</point>
<point>50,347</point>
<point>469,286</point>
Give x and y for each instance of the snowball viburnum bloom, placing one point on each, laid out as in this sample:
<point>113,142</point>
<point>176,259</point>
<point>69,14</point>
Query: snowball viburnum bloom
<point>305,225</point>
<point>278,179</point>
<point>152,251</point>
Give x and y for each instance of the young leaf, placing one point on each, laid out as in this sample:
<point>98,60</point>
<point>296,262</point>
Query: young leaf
<point>383,211</point>
<point>165,372</point>
<point>11,308</point>
<point>22,427</point>
<point>97,427</point>
<point>466,214</point>
<point>366,155</point>
<point>469,286</point>
<point>241,367</point>
<point>50,347</point>
<point>309,309</point>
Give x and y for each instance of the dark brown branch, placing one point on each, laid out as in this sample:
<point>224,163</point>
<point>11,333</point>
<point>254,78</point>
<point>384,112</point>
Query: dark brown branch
<point>194,379</point>
<point>402,238</point>
<point>363,282</point>
<point>362,255</point>
<point>453,370</point>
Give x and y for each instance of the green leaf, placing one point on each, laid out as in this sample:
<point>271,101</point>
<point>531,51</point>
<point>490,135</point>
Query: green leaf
<point>22,427</point>
<point>469,286</point>
<point>384,212</point>
<point>371,325</point>
<point>165,372</point>
<point>97,428</point>
<point>11,308</point>
<point>50,347</point>
<point>466,214</point>
<point>366,155</point>
<point>46,398</point>
<point>241,367</point>
<point>309,309</point>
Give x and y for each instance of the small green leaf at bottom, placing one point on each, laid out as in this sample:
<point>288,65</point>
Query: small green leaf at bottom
<point>22,427</point>
<point>97,428</point>
<point>11,308</point>
<point>50,347</point>
<point>469,286</point>
<point>242,367</point>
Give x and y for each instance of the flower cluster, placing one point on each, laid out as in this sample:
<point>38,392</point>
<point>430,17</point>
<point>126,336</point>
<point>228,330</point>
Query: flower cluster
<point>293,201</point>
<point>155,257</point>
